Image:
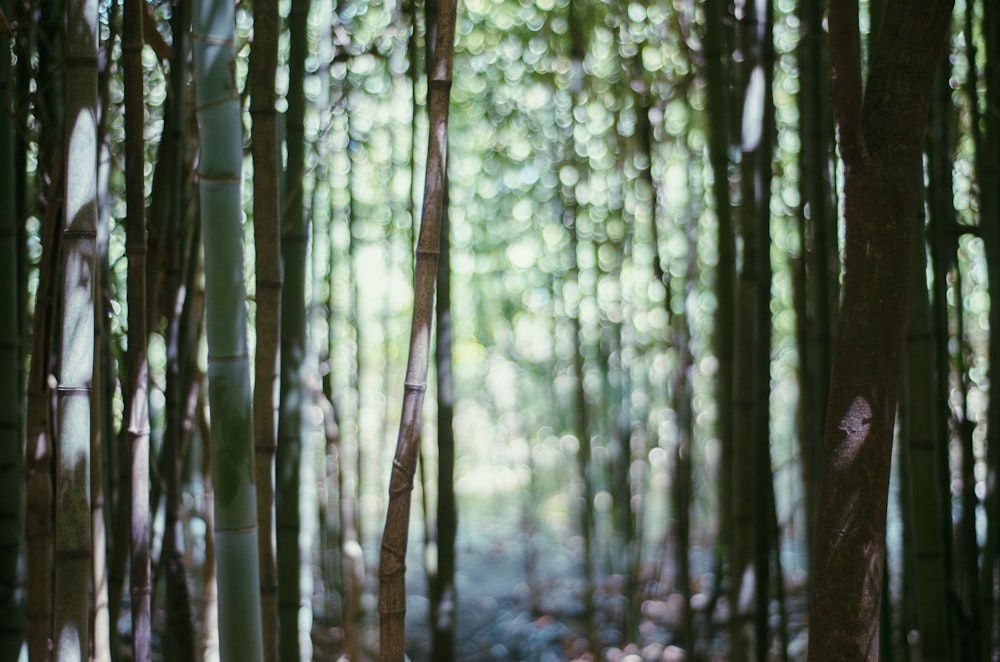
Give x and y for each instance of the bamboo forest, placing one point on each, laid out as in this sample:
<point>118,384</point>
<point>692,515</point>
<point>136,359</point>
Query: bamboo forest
<point>528,330</point>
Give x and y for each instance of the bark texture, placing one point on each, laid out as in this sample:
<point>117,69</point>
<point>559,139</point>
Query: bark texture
<point>881,138</point>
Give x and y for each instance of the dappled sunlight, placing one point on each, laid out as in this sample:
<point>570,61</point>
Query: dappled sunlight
<point>81,192</point>
<point>855,424</point>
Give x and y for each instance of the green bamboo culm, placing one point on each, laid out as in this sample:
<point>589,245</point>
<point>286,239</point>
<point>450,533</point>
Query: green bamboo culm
<point>293,574</point>
<point>71,622</point>
<point>11,618</point>
<point>220,173</point>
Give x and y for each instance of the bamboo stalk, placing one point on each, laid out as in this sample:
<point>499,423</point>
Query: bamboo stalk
<point>71,625</point>
<point>220,174</point>
<point>392,561</point>
<point>138,364</point>
<point>267,247</point>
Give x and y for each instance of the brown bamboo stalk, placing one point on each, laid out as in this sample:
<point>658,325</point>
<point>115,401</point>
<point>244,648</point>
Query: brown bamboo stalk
<point>38,456</point>
<point>138,365</point>
<point>392,562</point>
<point>267,243</point>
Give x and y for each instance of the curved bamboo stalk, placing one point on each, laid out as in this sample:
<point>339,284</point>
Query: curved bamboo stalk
<point>220,173</point>
<point>392,561</point>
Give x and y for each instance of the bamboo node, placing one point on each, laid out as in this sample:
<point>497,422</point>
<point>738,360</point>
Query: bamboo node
<point>212,41</point>
<point>72,390</point>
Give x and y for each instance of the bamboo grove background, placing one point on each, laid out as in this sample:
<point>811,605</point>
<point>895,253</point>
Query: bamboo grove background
<point>637,288</point>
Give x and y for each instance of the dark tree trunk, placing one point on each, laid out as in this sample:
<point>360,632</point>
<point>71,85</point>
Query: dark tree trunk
<point>267,244</point>
<point>443,598</point>
<point>819,263</point>
<point>717,65</point>
<point>881,138</point>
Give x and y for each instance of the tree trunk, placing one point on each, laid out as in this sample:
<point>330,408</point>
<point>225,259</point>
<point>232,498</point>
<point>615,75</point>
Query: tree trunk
<point>71,626</point>
<point>183,391</point>
<point>11,618</point>
<point>820,264</point>
<point>220,172</point>
<point>38,524</point>
<point>927,433</point>
<point>756,174</point>
<point>293,603</point>
<point>392,561</point>
<point>267,250</point>
<point>38,453</point>
<point>717,63</point>
<point>183,307</point>
<point>881,136</point>
<point>138,365</point>
<point>444,602</point>
<point>920,453</point>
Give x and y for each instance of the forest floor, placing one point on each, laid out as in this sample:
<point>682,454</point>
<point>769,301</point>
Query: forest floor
<point>502,616</point>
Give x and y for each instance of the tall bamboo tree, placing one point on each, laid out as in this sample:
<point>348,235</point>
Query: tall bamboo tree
<point>138,364</point>
<point>918,449</point>
<point>71,626</point>
<point>267,251</point>
<point>758,150</point>
<point>444,601</point>
<point>392,561</point>
<point>220,173</point>
<point>102,415</point>
<point>881,130</point>
<point>818,266</point>
<point>717,65</point>
<point>293,605</point>
<point>751,349</point>
<point>183,328</point>
<point>39,452</point>
<point>102,412</point>
<point>11,618</point>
